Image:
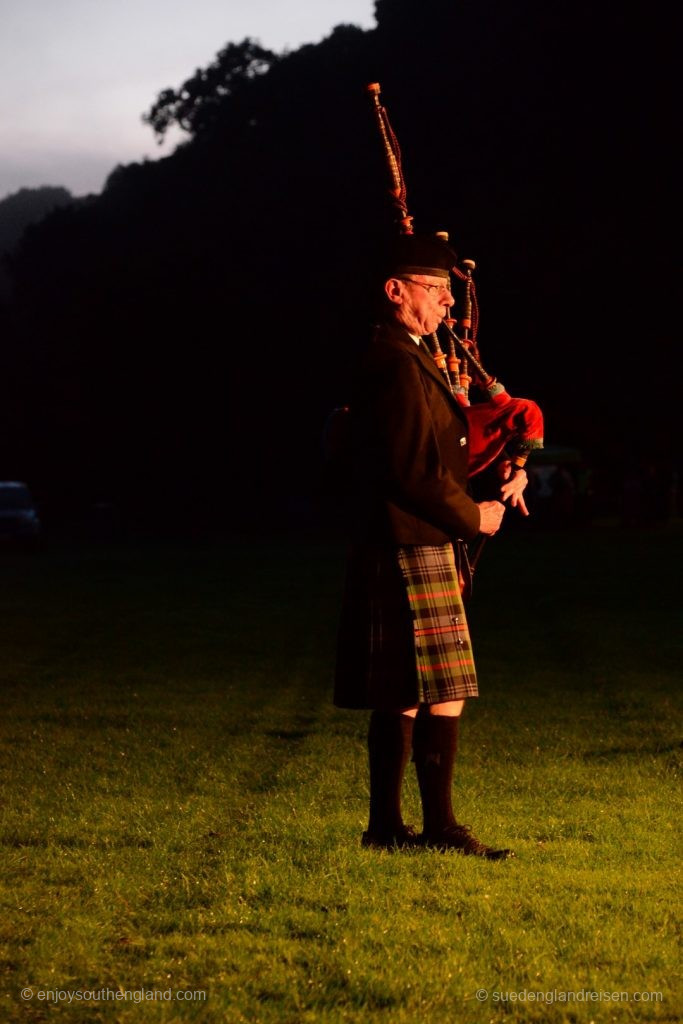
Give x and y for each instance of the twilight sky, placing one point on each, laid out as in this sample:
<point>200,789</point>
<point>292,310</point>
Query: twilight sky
<point>76,75</point>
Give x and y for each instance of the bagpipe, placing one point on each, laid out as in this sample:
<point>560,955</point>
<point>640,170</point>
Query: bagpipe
<point>499,425</point>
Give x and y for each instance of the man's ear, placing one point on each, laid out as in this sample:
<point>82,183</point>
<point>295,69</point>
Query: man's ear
<point>393,289</point>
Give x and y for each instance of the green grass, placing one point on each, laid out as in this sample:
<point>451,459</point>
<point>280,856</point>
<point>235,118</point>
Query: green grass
<point>181,804</point>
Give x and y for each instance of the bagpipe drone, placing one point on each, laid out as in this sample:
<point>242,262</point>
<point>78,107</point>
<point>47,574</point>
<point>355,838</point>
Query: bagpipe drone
<point>500,425</point>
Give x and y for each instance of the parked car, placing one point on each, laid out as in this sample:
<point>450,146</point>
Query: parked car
<point>19,519</point>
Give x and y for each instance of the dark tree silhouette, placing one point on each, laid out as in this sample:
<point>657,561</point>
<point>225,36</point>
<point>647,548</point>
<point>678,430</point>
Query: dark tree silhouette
<point>178,341</point>
<point>212,94</point>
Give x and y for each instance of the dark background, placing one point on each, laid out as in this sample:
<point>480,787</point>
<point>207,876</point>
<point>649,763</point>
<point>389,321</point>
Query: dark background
<point>172,347</point>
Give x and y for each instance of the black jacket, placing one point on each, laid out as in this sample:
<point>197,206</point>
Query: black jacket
<point>407,448</point>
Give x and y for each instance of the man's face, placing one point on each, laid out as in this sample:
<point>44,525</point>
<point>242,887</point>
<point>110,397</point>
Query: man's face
<point>420,301</point>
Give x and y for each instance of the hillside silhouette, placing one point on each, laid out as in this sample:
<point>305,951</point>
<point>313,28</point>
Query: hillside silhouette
<point>175,345</point>
<point>18,212</point>
<point>25,207</point>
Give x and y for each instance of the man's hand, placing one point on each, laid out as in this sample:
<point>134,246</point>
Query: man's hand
<point>491,513</point>
<point>513,485</point>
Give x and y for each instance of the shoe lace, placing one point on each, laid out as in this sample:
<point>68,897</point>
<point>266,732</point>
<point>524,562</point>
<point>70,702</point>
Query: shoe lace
<point>464,836</point>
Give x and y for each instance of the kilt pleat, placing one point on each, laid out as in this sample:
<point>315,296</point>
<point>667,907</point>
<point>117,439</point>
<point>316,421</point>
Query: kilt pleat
<point>375,664</point>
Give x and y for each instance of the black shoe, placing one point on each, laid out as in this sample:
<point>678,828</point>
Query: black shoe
<point>459,837</point>
<point>398,839</point>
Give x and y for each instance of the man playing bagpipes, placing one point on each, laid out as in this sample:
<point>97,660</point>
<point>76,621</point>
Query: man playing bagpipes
<point>404,649</point>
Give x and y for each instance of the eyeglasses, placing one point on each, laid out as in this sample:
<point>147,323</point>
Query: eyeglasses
<point>431,289</point>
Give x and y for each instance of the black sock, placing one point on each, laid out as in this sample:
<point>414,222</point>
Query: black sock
<point>435,744</point>
<point>389,742</point>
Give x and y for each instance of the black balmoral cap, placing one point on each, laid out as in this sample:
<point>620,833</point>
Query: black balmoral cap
<point>419,254</point>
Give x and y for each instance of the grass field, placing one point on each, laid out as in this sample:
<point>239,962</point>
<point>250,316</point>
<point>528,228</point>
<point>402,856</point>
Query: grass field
<point>182,806</point>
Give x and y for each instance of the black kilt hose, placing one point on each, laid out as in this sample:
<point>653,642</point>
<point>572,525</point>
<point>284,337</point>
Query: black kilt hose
<point>403,636</point>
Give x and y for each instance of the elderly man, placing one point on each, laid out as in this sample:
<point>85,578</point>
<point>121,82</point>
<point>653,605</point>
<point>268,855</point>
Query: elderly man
<point>404,648</point>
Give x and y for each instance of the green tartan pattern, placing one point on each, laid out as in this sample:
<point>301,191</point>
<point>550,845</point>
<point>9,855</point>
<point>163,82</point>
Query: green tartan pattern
<point>443,649</point>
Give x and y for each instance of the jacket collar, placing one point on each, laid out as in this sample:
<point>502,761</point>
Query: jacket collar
<point>423,355</point>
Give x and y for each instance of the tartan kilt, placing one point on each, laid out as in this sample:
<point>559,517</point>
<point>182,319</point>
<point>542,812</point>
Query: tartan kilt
<point>403,636</point>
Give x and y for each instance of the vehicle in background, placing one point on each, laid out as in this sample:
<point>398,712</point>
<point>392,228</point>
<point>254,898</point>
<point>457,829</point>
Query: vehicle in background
<point>19,520</point>
<point>560,487</point>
